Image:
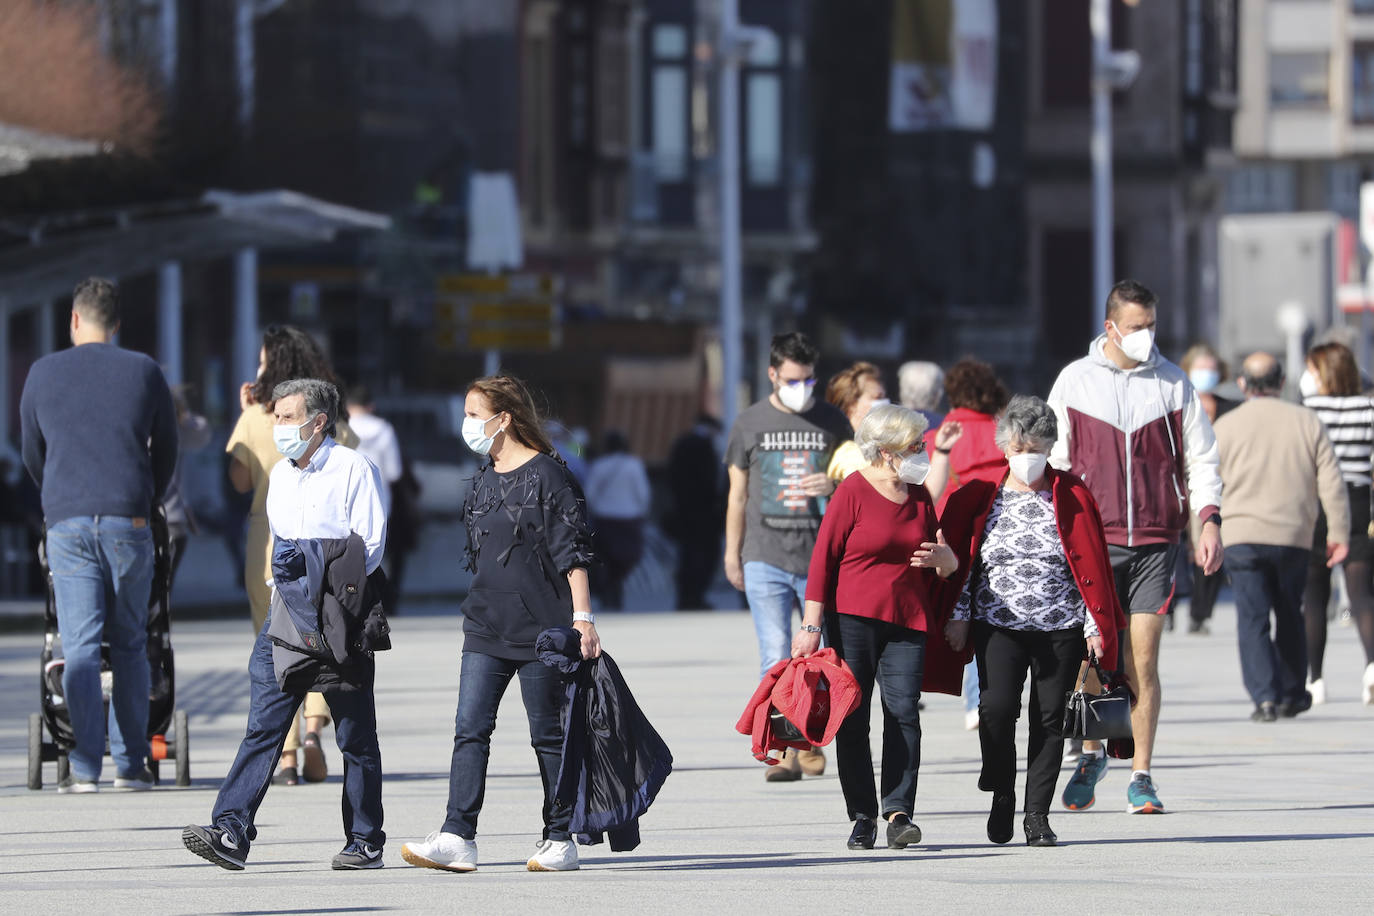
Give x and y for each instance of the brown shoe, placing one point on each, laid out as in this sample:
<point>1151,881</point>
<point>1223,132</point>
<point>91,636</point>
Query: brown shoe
<point>314,769</point>
<point>812,761</point>
<point>789,770</point>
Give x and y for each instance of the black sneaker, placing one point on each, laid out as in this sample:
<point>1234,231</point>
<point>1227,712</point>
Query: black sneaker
<point>287,776</point>
<point>1001,816</point>
<point>215,844</point>
<point>1265,712</point>
<point>73,785</point>
<point>139,782</point>
<point>357,855</point>
<point>865,833</point>
<point>901,832</point>
<point>1037,828</point>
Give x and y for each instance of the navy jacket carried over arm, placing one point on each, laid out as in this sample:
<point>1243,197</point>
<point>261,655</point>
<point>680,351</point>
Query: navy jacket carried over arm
<point>614,762</point>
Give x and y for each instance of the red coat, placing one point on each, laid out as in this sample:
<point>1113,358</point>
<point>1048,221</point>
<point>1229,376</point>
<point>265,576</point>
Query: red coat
<point>1080,531</point>
<point>975,456</point>
<point>815,694</point>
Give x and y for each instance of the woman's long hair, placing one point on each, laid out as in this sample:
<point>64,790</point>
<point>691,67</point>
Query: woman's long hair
<point>1336,368</point>
<point>291,354</point>
<point>507,394</point>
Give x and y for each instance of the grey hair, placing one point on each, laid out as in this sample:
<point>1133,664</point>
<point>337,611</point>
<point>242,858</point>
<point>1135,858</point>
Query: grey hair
<point>888,426</point>
<point>920,385</point>
<point>320,397</point>
<point>1027,420</point>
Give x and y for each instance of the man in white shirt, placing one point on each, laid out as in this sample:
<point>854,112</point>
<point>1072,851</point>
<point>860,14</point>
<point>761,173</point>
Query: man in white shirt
<point>618,499</point>
<point>323,491</point>
<point>376,439</point>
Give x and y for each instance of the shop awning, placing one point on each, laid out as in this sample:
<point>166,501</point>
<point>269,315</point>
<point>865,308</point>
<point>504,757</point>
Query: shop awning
<point>43,256</point>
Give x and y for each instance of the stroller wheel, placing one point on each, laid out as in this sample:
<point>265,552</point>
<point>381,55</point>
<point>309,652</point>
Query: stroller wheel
<point>181,749</point>
<point>35,751</point>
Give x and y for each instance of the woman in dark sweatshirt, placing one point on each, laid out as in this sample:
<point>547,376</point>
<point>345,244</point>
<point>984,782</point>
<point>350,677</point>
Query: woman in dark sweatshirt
<point>529,548</point>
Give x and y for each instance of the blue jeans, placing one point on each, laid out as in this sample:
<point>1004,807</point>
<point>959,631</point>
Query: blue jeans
<point>1267,578</point>
<point>270,713</point>
<point>102,574</point>
<point>482,682</point>
<point>773,594</point>
<point>894,657</point>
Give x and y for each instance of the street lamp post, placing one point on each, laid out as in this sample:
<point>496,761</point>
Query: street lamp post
<point>1111,70</point>
<point>731,322</point>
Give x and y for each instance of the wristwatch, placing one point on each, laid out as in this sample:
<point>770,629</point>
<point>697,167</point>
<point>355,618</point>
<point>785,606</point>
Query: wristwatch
<point>810,628</point>
<point>1214,517</point>
<point>584,617</point>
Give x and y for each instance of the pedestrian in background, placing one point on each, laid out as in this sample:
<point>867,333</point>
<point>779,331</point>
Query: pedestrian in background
<point>871,587</point>
<point>854,391</point>
<point>696,519</point>
<point>100,440</point>
<point>1207,371</point>
<point>1035,591</point>
<point>287,353</point>
<point>618,499</point>
<point>529,548</point>
<point>193,434</point>
<point>964,449</point>
<point>378,443</point>
<point>1126,417</point>
<point>1276,463</point>
<point>1330,385</point>
<point>921,387</point>
<point>777,456</point>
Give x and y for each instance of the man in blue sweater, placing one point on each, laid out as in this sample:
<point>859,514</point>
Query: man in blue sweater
<point>100,439</point>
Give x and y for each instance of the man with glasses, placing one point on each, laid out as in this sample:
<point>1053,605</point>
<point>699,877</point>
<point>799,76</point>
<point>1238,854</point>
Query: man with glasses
<point>778,452</point>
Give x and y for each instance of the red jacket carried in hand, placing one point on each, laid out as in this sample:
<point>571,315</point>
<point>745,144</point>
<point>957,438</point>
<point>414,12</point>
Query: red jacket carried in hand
<point>816,694</point>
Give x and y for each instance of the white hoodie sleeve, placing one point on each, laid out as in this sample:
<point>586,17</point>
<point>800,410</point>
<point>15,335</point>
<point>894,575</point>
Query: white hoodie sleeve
<point>1059,454</point>
<point>1201,457</point>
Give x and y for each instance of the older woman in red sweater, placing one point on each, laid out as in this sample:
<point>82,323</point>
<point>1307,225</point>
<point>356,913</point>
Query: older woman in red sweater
<point>871,588</point>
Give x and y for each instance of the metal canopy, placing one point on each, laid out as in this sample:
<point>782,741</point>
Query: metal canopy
<point>43,257</point>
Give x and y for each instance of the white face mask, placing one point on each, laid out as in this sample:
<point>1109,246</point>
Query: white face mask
<point>475,434</point>
<point>796,396</point>
<point>1028,467</point>
<point>1308,384</point>
<point>1204,380</point>
<point>913,468</point>
<point>289,441</point>
<point>1137,344</point>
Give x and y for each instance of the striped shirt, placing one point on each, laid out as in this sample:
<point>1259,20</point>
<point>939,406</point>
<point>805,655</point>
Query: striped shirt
<point>1349,422</point>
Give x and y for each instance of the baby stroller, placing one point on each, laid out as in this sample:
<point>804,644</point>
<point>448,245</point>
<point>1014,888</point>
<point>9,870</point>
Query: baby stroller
<point>53,713</point>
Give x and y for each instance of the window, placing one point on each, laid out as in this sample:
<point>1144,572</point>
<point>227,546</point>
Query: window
<point>1362,6</point>
<point>668,87</point>
<point>1362,84</point>
<point>763,125</point>
<point>1300,79</point>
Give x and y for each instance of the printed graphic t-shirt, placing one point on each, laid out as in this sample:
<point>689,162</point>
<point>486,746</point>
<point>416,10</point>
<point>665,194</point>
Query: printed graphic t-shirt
<point>778,449</point>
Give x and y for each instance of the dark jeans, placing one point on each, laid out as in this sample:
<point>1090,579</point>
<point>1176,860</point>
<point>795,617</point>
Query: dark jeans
<point>698,558</point>
<point>895,657</point>
<point>1358,583</point>
<point>1004,656</point>
<point>102,574</point>
<point>481,684</point>
<point>270,714</point>
<point>1266,578</point>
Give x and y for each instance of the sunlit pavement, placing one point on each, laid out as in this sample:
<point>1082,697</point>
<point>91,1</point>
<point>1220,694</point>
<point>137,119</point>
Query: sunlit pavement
<point>1262,818</point>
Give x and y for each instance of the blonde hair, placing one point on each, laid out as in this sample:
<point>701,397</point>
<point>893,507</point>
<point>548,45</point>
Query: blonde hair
<point>889,427</point>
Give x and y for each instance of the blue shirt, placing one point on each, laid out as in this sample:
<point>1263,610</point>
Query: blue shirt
<point>99,432</point>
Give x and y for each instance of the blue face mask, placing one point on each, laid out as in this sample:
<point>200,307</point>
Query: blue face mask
<point>289,441</point>
<point>1204,380</point>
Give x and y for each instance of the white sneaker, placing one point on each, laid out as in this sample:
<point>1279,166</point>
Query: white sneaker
<point>1318,690</point>
<point>971,720</point>
<point>1369,684</point>
<point>447,851</point>
<point>554,855</point>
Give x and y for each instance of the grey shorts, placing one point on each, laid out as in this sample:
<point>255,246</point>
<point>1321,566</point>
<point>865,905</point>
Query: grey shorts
<point>1144,576</point>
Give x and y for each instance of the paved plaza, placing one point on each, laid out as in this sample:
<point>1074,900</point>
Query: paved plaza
<point>1272,818</point>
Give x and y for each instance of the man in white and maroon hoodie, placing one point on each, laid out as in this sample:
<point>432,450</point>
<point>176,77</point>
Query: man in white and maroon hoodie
<point>1131,425</point>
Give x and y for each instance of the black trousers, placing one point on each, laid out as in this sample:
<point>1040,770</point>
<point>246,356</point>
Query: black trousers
<point>1004,657</point>
<point>894,657</point>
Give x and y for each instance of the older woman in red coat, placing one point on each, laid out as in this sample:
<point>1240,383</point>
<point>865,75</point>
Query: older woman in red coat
<point>1035,590</point>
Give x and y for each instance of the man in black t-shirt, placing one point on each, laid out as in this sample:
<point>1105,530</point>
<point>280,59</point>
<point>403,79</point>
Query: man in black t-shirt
<point>777,457</point>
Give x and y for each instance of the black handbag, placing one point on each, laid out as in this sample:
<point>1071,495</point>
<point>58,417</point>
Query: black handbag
<point>1101,716</point>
